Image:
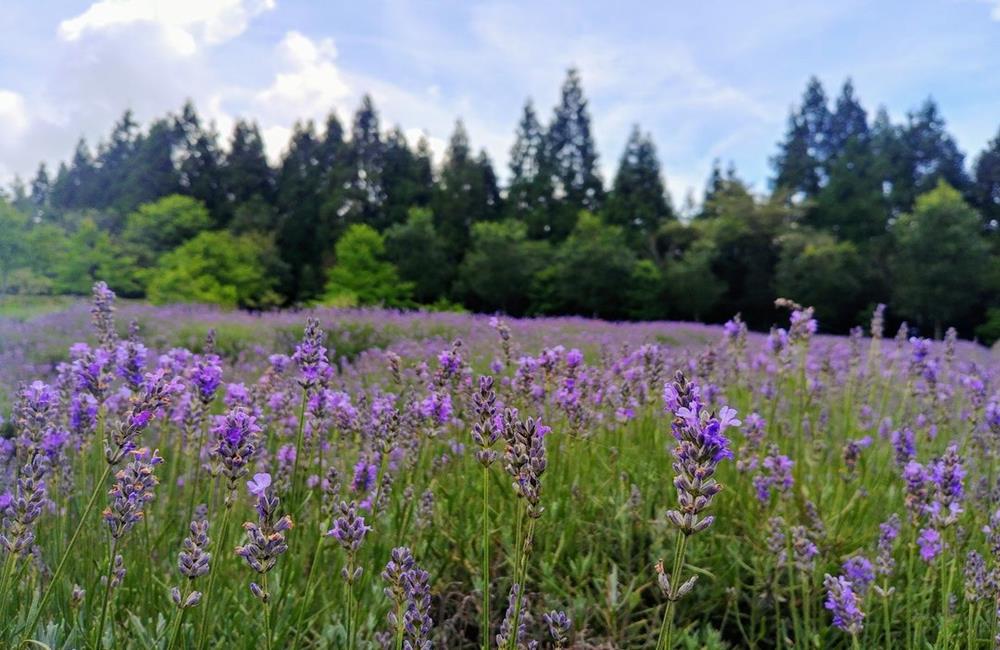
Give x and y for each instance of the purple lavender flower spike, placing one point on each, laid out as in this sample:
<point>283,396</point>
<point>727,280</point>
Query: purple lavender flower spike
<point>844,604</point>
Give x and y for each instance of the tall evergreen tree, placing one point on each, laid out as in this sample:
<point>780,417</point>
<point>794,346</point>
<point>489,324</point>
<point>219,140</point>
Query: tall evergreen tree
<point>571,158</point>
<point>638,201</point>
<point>927,154</point>
<point>467,193</point>
<point>299,182</point>
<point>76,184</point>
<point>41,188</point>
<point>364,193</point>
<point>849,121</point>
<point>529,194</point>
<point>985,191</point>
<point>403,189</point>
<point>799,165</point>
<point>246,170</point>
<point>199,162</point>
<point>115,160</point>
<point>151,173</point>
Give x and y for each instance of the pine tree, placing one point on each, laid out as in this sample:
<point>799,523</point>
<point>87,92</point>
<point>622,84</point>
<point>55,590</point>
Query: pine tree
<point>638,200</point>
<point>114,162</point>
<point>41,188</point>
<point>571,158</point>
<point>246,171</point>
<point>299,182</point>
<point>466,194</point>
<point>927,154</point>
<point>800,162</point>
<point>76,184</point>
<point>848,121</point>
<point>529,194</point>
<point>200,164</point>
<point>985,191</point>
<point>151,173</point>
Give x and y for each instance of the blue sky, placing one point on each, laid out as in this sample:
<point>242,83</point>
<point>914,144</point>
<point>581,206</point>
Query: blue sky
<point>709,79</point>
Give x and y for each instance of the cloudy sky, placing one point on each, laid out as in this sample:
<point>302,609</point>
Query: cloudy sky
<point>708,79</point>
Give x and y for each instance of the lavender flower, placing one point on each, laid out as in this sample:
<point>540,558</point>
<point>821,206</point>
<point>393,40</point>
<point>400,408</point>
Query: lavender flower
<point>929,541</point>
<point>860,571</point>
<point>349,529</point>
<point>236,439</point>
<point>776,472</point>
<point>844,604</point>
<point>888,532</point>
<point>131,491</point>
<point>310,356</point>
<point>207,376</point>
<point>702,444</point>
<point>976,587</point>
<point>266,537</point>
<point>526,459</point>
<point>559,626</point>
<point>485,431</point>
<point>18,512</point>
<point>102,314</point>
<point>506,632</point>
<point>192,562</point>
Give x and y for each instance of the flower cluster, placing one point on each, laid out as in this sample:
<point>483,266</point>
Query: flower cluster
<point>310,356</point>
<point>131,491</point>
<point>485,431</point>
<point>701,446</point>
<point>525,459</point>
<point>192,562</point>
<point>266,536</point>
<point>18,512</point>
<point>844,604</point>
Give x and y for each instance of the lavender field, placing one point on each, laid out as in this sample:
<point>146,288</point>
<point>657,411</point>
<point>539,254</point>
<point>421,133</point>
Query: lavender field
<point>186,477</point>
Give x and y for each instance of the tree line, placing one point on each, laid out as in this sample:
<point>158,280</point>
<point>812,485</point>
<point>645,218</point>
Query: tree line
<point>860,211</point>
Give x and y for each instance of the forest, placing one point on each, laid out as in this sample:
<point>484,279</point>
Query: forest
<point>859,211</point>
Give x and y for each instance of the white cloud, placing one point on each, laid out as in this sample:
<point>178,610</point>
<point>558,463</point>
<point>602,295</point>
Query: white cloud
<point>186,24</point>
<point>13,115</point>
<point>309,85</point>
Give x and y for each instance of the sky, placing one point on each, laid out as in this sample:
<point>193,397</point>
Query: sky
<point>713,79</point>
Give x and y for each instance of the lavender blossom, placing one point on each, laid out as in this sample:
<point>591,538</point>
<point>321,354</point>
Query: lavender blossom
<point>131,491</point>
<point>860,571</point>
<point>485,431</point>
<point>310,356</point>
<point>266,537</point>
<point>559,626</point>
<point>702,444</point>
<point>844,604</point>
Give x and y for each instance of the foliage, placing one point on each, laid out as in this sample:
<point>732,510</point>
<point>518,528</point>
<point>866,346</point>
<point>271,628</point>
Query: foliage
<point>361,274</point>
<point>219,268</point>
<point>500,264</point>
<point>940,258</point>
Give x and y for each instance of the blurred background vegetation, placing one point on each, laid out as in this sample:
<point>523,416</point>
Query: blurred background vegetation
<point>860,211</point>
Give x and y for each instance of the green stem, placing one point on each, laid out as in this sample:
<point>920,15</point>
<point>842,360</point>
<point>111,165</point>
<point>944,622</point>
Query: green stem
<point>521,579</point>
<point>267,612</point>
<point>886,619</point>
<point>99,639</point>
<point>350,601</point>
<point>299,435</point>
<point>667,627</point>
<point>30,630</point>
<point>177,627</point>
<point>304,602</point>
<point>485,568</point>
<point>8,568</point>
<point>204,629</point>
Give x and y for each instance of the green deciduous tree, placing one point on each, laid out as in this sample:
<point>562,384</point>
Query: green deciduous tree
<point>940,258</point>
<point>499,267</point>
<point>163,225</point>
<point>362,275</point>
<point>816,269</point>
<point>219,268</point>
<point>419,254</point>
